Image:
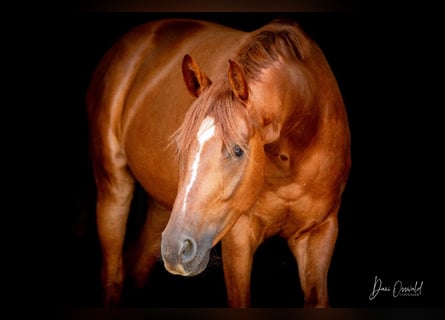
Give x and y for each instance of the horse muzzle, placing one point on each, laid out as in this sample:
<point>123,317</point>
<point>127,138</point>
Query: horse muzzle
<point>183,255</point>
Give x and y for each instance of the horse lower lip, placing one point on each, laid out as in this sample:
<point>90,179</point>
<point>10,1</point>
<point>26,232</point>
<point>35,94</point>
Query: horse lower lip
<point>177,270</point>
<point>193,268</point>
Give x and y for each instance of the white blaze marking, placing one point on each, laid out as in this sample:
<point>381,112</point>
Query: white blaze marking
<point>205,132</point>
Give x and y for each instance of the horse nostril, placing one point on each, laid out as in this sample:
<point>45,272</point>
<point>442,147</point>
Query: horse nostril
<point>188,250</point>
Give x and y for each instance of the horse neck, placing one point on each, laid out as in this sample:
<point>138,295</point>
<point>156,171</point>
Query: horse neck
<point>317,112</point>
<point>301,116</point>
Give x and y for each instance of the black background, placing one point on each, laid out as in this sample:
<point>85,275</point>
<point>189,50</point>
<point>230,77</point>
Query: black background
<point>389,219</point>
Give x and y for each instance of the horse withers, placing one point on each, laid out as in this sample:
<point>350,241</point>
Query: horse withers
<point>235,137</point>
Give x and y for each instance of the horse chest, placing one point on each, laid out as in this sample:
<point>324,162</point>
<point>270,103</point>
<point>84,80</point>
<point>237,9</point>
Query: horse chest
<point>285,209</point>
<point>272,208</point>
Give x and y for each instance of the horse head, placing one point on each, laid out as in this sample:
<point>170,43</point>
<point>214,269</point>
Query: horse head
<point>221,159</point>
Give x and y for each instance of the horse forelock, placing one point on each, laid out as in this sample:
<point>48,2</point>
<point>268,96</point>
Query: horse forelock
<point>279,39</point>
<point>218,103</point>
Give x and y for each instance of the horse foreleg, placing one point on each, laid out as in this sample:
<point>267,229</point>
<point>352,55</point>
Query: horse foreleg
<point>146,252</point>
<point>112,209</point>
<point>313,251</point>
<point>238,248</point>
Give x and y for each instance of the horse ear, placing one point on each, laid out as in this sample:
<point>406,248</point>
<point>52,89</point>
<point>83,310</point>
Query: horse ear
<point>194,78</point>
<point>238,82</point>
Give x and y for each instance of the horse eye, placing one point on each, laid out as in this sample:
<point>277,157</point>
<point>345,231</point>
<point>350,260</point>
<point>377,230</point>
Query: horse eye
<point>237,151</point>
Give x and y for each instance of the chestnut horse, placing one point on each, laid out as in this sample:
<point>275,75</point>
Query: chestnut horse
<point>235,136</point>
